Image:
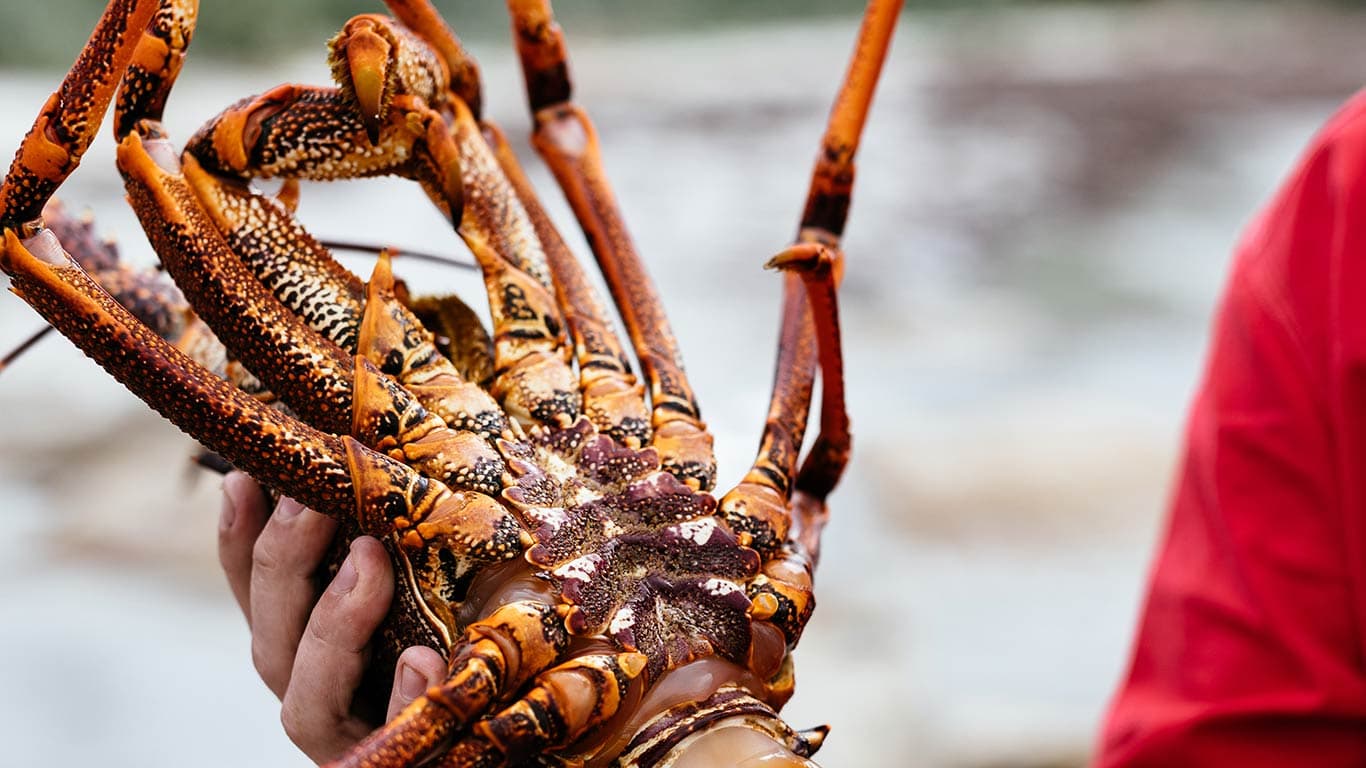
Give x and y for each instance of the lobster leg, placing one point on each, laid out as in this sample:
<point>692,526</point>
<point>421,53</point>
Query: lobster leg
<point>758,505</point>
<point>58,139</point>
<point>564,136</point>
<point>318,378</point>
<point>374,59</point>
<point>495,657</point>
<point>150,296</point>
<point>462,69</point>
<point>823,220</point>
<point>281,133</point>
<point>532,377</point>
<point>64,128</point>
<point>612,398</point>
<point>308,372</point>
<point>283,256</point>
<point>284,132</point>
<point>190,396</point>
<point>391,336</point>
<point>228,421</point>
<point>820,268</point>
<point>566,702</point>
<point>335,475</point>
<point>367,321</point>
<point>156,64</point>
<point>296,131</point>
<point>785,526</point>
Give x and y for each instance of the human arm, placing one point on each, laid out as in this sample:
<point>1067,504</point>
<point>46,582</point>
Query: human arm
<point>1250,650</point>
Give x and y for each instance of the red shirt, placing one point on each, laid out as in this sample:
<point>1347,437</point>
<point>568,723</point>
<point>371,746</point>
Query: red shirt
<point>1252,646</point>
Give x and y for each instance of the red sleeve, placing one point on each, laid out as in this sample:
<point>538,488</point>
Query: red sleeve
<point>1250,649</point>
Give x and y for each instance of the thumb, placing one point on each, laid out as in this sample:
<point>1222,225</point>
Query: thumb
<point>419,668</point>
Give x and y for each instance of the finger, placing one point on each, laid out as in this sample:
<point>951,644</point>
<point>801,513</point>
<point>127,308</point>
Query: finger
<point>288,551</point>
<point>240,522</point>
<point>331,657</point>
<point>419,668</point>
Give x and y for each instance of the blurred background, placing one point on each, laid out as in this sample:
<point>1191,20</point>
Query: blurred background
<point>1047,197</point>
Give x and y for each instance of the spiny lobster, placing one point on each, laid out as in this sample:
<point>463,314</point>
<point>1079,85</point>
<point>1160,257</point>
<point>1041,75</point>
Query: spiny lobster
<point>548,514</point>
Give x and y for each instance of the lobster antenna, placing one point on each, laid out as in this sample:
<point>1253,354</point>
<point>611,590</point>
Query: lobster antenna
<point>346,245</point>
<point>208,460</point>
<point>30,341</point>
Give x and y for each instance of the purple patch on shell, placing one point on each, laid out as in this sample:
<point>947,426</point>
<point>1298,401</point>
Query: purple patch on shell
<point>636,552</point>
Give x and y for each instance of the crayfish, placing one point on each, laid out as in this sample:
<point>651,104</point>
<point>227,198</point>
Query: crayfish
<point>548,513</point>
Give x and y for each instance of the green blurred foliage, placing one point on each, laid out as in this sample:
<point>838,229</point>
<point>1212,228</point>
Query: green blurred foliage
<point>48,34</point>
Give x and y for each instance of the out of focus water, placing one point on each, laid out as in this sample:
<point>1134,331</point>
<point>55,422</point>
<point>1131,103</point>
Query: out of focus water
<point>1044,209</point>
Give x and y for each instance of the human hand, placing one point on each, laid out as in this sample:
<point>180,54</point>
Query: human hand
<point>309,648</point>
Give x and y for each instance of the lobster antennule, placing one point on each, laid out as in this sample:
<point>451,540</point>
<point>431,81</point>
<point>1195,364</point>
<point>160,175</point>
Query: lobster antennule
<point>397,253</point>
<point>24,346</point>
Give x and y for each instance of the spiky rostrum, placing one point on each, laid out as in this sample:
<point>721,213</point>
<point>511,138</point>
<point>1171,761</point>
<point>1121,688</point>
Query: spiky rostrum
<point>549,516</point>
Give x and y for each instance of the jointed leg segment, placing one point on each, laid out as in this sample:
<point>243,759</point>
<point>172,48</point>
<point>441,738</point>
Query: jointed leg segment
<point>156,64</point>
<point>612,397</point>
<point>785,525</point>
<point>566,139</point>
<point>65,126</point>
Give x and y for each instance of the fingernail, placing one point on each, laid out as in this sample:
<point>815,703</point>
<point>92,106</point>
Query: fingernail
<point>228,513</point>
<point>287,508</point>
<point>234,491</point>
<point>346,577</point>
<point>411,683</point>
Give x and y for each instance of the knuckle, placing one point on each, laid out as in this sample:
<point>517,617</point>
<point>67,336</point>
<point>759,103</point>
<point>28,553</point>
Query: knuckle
<point>265,555</point>
<point>324,627</point>
<point>345,624</point>
<point>314,634</point>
